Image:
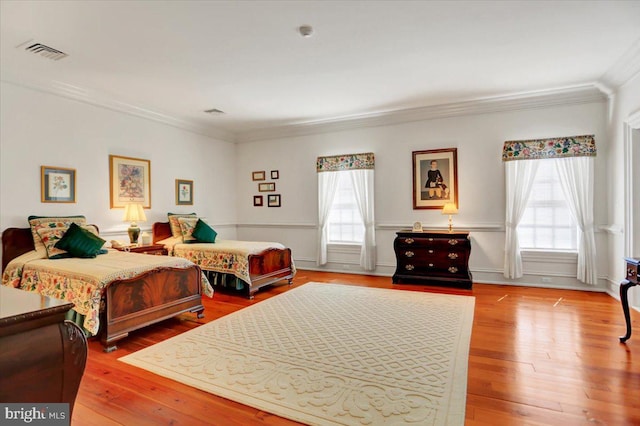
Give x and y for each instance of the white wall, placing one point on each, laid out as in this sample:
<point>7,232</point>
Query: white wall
<point>625,103</point>
<point>38,128</point>
<point>479,140</point>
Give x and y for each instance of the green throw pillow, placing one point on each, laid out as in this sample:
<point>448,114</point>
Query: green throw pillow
<point>204,233</point>
<point>80,242</point>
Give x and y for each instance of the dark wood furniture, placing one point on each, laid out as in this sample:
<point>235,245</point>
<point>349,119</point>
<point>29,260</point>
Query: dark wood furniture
<point>433,257</point>
<point>268,267</point>
<point>632,277</point>
<point>43,356</point>
<point>132,303</point>
<point>155,249</point>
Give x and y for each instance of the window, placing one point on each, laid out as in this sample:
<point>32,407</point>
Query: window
<point>547,223</point>
<point>345,222</point>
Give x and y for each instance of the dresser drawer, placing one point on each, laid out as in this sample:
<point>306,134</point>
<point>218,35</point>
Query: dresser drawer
<point>433,268</point>
<point>432,254</point>
<point>435,242</point>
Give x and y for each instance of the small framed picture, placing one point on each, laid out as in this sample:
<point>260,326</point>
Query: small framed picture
<point>257,201</point>
<point>273,200</point>
<point>184,192</point>
<point>58,185</point>
<point>258,175</point>
<point>275,174</point>
<point>267,187</point>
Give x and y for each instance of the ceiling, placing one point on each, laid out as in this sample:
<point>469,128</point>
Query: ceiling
<point>175,59</point>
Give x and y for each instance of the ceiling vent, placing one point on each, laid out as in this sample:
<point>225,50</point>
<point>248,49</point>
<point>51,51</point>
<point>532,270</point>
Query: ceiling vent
<point>42,49</point>
<point>213,111</point>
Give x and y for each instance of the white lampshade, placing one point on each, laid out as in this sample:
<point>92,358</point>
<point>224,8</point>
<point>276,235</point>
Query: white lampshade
<point>450,208</point>
<point>134,212</point>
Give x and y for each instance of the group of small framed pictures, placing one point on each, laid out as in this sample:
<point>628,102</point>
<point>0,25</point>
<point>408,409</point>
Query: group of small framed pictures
<point>273,200</point>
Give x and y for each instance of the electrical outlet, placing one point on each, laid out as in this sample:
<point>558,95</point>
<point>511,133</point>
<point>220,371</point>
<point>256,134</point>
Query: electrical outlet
<point>546,280</point>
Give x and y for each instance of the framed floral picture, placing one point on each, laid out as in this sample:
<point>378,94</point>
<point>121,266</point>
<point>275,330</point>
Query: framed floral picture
<point>435,178</point>
<point>184,192</point>
<point>129,181</point>
<point>57,185</point>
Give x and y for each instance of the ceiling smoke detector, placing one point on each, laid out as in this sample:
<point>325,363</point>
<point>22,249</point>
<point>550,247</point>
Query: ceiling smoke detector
<point>42,49</point>
<point>305,30</point>
<point>214,111</point>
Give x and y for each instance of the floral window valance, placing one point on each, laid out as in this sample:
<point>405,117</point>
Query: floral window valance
<point>337,163</point>
<point>538,149</point>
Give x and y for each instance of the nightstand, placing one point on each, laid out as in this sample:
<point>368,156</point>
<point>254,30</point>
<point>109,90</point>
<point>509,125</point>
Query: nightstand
<point>155,249</point>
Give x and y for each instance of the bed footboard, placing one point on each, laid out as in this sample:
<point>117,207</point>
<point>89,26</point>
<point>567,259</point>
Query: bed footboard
<point>269,267</point>
<point>155,296</point>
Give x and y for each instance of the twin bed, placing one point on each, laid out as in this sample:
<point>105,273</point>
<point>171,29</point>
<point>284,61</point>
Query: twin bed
<point>118,292</point>
<point>253,264</point>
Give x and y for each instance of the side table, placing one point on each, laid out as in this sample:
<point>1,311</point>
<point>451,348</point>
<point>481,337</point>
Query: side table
<point>632,273</point>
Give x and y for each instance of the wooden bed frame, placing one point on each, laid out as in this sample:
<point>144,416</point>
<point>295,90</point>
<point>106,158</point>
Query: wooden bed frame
<point>268,267</point>
<point>133,303</point>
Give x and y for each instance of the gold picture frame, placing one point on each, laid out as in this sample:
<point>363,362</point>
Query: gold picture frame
<point>435,178</point>
<point>184,192</point>
<point>57,185</point>
<point>129,181</point>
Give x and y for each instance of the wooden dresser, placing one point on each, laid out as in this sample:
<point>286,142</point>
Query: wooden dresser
<point>433,257</point>
<point>43,356</point>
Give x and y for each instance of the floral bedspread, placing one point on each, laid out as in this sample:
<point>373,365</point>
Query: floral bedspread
<point>81,281</point>
<point>226,256</point>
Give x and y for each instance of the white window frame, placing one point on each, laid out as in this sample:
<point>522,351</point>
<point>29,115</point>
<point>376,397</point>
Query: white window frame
<point>345,182</point>
<point>544,175</point>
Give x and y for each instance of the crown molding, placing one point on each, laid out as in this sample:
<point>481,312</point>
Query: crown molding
<point>624,69</point>
<point>519,101</point>
<point>596,92</point>
<point>96,98</point>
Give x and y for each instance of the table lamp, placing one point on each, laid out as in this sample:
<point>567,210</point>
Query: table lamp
<point>133,213</point>
<point>450,209</point>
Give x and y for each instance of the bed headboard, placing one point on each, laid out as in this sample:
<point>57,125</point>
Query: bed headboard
<point>17,241</point>
<point>161,230</point>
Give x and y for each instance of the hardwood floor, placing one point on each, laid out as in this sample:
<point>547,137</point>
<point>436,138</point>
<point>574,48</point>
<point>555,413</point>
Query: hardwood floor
<point>537,357</point>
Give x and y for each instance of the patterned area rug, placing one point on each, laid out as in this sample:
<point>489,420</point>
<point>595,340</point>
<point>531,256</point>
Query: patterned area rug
<point>331,354</point>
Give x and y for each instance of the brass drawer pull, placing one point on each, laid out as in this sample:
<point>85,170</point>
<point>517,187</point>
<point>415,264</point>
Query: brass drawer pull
<point>430,239</point>
<point>409,267</point>
<point>453,269</point>
<point>409,240</point>
<point>430,251</point>
<point>409,253</point>
<point>431,265</point>
<point>453,256</point>
<point>453,242</point>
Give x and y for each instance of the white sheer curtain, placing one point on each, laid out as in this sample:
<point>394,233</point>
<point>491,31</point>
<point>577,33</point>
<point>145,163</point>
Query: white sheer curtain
<point>577,179</point>
<point>327,185</point>
<point>363,188</point>
<point>518,181</point>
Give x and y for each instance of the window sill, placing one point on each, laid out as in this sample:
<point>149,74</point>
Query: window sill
<point>344,247</point>
<point>550,256</point>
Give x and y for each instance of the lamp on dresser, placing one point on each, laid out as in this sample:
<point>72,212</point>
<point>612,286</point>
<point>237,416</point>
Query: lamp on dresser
<point>134,212</point>
<point>450,209</point>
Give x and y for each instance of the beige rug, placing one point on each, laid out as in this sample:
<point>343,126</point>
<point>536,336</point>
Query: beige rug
<point>330,354</point>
